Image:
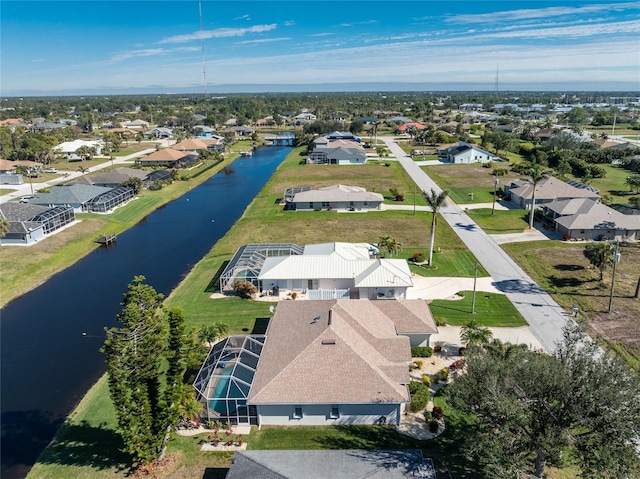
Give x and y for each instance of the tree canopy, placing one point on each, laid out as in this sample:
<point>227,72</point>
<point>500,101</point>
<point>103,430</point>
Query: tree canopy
<point>532,407</point>
<point>134,355</point>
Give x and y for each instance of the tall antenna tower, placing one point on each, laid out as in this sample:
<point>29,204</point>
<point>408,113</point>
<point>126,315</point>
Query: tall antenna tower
<point>204,65</point>
<point>497,85</point>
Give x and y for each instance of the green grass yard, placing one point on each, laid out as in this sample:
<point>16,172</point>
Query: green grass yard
<point>501,222</point>
<point>491,310</point>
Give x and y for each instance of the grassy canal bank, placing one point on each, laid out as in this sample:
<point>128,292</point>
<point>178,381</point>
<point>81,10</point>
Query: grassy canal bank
<point>25,268</point>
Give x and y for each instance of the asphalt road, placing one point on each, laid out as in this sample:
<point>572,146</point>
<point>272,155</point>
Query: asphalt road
<point>545,317</point>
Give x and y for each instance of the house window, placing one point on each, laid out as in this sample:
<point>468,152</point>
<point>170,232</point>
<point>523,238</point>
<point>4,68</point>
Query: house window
<point>366,203</point>
<point>326,204</point>
<point>335,412</point>
<point>311,205</point>
<point>297,412</point>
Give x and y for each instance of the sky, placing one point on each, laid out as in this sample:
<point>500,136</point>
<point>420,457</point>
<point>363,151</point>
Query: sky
<point>122,46</point>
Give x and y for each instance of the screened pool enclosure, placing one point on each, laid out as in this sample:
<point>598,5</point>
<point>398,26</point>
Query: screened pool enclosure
<point>225,379</point>
<point>248,260</point>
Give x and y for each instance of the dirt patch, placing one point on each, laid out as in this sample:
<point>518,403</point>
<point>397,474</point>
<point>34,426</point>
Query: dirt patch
<point>566,274</point>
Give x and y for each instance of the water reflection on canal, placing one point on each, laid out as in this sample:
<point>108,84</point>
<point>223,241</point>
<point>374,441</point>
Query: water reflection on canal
<point>47,364</point>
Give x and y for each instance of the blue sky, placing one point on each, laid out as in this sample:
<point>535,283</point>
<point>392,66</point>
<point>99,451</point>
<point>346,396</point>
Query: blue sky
<point>156,46</point>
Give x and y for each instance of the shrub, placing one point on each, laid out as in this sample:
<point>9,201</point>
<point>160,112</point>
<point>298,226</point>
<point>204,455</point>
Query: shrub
<point>444,374</point>
<point>420,399</point>
<point>437,412</point>
<point>245,289</point>
<point>294,295</point>
<point>461,351</point>
<point>419,364</point>
<point>417,257</point>
<point>414,386</point>
<point>436,378</point>
<point>440,320</point>
<point>434,426</point>
<point>421,352</point>
<point>437,348</point>
<point>457,365</point>
<point>427,415</point>
<point>426,380</point>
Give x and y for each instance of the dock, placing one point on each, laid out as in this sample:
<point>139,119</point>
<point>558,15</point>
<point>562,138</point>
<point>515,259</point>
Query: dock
<point>106,239</point>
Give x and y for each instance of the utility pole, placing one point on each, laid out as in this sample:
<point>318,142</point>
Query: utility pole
<point>616,260</point>
<point>495,188</point>
<point>473,300</point>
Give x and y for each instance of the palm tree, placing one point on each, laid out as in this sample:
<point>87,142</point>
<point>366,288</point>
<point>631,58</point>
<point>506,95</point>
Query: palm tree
<point>537,174</point>
<point>633,182</point>
<point>390,245</point>
<point>4,227</point>
<point>435,202</point>
<point>473,333</point>
<point>599,255</point>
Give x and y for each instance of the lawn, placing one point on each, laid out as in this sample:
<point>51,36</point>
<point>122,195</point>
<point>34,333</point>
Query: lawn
<point>562,270</point>
<point>491,310</point>
<point>463,181</point>
<point>613,183</point>
<point>501,222</point>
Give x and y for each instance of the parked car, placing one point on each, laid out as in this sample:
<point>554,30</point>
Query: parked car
<point>25,199</point>
<point>50,170</point>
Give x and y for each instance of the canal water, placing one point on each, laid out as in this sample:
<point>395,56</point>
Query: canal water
<point>51,336</point>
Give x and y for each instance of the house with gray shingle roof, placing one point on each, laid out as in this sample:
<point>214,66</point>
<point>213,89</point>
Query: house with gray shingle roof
<point>334,362</point>
<point>323,362</point>
<point>29,223</point>
<point>547,190</point>
<point>336,152</point>
<point>336,197</point>
<point>586,218</point>
<point>75,196</point>
<point>322,464</point>
<point>465,153</point>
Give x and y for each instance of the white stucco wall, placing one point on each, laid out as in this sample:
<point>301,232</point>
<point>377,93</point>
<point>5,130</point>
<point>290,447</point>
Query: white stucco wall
<point>320,414</point>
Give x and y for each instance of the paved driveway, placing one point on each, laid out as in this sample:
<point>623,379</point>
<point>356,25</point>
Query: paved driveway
<point>545,317</point>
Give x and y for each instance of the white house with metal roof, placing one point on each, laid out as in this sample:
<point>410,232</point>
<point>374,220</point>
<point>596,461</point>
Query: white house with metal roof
<point>336,270</point>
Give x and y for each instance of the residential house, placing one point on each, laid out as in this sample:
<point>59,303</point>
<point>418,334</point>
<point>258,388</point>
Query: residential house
<point>547,190</point>
<point>286,138</point>
<point>116,177</point>
<point>336,270</point>
<point>334,197</point>
<point>321,464</point>
<point>319,363</point>
<point>411,125</point>
<point>342,135</point>
<point>588,219</point>
<point>336,152</point>
<point>203,131</point>
<point>135,124</point>
<point>195,145</point>
<point>159,132</point>
<point>170,158</point>
<point>29,223</point>
<point>69,148</point>
<point>318,271</point>
<point>81,198</point>
<point>305,117</point>
<point>466,153</point>
<point>241,131</point>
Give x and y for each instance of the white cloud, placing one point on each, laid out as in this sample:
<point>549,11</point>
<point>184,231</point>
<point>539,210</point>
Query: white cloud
<point>512,15</point>
<point>364,22</point>
<point>264,40</point>
<point>243,17</point>
<point>218,33</point>
<point>147,52</point>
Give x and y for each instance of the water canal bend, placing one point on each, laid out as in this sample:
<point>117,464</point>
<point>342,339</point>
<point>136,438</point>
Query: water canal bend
<point>47,364</point>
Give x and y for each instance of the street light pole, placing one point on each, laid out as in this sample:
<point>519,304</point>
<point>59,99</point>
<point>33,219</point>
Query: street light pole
<point>495,188</point>
<point>616,260</point>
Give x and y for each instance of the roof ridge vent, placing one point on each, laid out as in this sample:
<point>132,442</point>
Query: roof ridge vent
<point>329,341</point>
<point>329,321</point>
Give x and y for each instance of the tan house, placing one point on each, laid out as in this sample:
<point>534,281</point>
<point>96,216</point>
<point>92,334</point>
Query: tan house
<point>335,197</point>
<point>586,218</point>
<point>170,158</point>
<point>547,190</point>
<point>319,363</point>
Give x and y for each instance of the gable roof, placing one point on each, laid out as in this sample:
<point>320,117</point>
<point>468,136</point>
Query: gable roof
<point>166,154</point>
<point>549,189</point>
<point>337,193</point>
<point>13,211</point>
<point>321,464</point>
<point>118,175</point>
<point>351,347</point>
<point>195,144</point>
<point>410,124</point>
<point>593,215</point>
<point>69,194</point>
<point>365,272</point>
